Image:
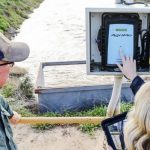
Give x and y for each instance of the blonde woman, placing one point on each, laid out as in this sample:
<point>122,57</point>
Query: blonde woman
<point>137,128</point>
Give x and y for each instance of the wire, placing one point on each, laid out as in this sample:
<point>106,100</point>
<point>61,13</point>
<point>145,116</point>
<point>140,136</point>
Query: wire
<point>124,2</point>
<point>145,46</point>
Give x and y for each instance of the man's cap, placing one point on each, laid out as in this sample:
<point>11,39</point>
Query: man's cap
<point>13,51</point>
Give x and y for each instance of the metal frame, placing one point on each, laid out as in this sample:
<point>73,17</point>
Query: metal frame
<point>40,83</point>
<point>93,23</point>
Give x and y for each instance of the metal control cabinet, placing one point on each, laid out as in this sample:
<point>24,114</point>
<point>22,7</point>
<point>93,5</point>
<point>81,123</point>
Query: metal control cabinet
<point>93,23</point>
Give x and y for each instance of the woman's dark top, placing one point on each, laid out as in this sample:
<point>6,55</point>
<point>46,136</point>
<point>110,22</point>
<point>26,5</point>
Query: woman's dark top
<point>136,84</point>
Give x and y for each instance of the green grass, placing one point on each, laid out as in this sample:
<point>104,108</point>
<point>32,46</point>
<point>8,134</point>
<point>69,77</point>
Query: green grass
<point>13,12</point>
<point>8,90</point>
<point>23,89</point>
<point>87,128</point>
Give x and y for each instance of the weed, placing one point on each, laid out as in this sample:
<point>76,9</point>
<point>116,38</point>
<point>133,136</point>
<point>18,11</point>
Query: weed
<point>126,106</point>
<point>43,126</point>
<point>26,87</point>
<point>25,112</point>
<point>8,90</point>
<point>89,128</point>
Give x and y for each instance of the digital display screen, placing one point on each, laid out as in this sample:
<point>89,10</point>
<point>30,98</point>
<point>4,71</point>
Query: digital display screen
<point>117,135</point>
<point>120,36</point>
<point>114,130</point>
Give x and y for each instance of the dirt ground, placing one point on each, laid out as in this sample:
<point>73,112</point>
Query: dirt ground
<point>59,138</point>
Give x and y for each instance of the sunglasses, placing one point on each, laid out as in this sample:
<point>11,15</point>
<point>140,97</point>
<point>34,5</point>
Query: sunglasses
<point>11,64</point>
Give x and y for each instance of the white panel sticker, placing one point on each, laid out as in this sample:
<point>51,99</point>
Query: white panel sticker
<point>121,36</point>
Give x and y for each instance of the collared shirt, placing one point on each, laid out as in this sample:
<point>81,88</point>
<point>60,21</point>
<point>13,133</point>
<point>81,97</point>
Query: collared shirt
<point>6,134</point>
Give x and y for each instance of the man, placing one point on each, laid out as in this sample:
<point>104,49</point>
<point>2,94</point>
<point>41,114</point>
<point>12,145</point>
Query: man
<point>10,52</point>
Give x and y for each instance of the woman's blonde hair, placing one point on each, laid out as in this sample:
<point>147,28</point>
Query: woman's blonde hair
<point>137,127</point>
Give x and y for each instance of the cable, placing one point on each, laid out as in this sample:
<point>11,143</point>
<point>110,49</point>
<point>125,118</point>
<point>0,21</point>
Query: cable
<point>145,46</point>
<point>124,2</point>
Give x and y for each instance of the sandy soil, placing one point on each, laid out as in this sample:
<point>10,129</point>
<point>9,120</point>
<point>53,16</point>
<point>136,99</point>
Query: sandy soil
<point>59,138</point>
<point>55,35</point>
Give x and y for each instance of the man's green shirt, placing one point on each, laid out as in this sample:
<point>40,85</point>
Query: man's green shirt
<point>6,134</point>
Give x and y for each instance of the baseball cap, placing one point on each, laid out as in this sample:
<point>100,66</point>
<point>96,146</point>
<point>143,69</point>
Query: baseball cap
<point>13,51</point>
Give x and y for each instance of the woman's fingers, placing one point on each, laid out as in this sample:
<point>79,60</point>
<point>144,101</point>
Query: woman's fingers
<point>120,67</point>
<point>122,56</point>
<point>128,67</point>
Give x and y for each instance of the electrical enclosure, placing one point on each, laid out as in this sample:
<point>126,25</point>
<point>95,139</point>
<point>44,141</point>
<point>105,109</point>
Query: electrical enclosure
<point>94,22</point>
